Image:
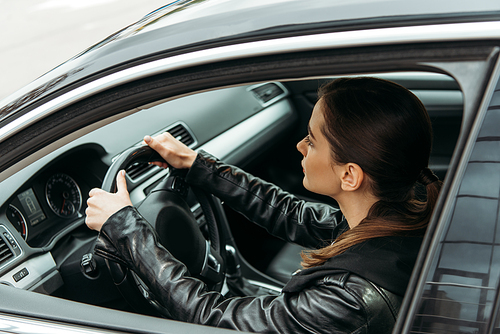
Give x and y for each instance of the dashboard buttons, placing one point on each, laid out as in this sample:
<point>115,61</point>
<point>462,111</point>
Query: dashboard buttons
<point>20,274</point>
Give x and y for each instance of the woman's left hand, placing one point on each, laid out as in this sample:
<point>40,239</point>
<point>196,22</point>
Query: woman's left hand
<point>102,205</point>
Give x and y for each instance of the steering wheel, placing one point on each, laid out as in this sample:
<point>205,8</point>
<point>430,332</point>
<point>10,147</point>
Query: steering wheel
<point>166,209</point>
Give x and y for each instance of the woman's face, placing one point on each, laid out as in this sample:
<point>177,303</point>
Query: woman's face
<point>321,175</point>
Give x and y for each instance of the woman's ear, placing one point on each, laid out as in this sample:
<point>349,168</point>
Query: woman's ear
<point>352,177</point>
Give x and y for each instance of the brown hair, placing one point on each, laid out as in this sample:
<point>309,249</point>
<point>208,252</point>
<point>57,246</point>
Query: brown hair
<point>386,130</point>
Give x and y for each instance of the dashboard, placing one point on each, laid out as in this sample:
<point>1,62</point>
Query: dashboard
<point>42,215</point>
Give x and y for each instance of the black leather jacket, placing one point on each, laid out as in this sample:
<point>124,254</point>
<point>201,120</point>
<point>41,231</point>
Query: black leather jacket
<point>327,299</point>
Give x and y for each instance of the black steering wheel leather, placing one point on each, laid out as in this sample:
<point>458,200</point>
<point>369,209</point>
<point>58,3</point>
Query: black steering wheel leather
<point>166,209</point>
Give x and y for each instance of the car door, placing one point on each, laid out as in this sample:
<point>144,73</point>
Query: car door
<point>462,60</point>
<point>458,287</point>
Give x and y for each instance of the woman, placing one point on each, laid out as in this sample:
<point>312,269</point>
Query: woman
<point>368,145</point>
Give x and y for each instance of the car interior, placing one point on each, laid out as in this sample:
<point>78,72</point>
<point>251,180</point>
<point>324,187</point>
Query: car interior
<point>46,247</point>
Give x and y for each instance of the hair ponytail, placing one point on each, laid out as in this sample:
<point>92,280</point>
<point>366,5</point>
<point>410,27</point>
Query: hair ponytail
<point>433,189</point>
<point>385,129</point>
<point>384,220</point>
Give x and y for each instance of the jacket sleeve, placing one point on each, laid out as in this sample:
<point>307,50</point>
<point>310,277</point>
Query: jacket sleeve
<point>127,238</point>
<point>280,213</point>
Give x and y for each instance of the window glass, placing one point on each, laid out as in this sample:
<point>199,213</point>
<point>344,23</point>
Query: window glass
<point>461,287</point>
<point>468,210</point>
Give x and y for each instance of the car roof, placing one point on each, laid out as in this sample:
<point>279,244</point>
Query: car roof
<point>189,25</point>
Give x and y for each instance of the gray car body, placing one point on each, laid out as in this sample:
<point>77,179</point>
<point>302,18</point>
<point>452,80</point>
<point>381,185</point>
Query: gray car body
<point>205,33</point>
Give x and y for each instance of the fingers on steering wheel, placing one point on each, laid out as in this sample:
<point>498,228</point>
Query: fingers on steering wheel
<point>159,164</point>
<point>121,182</point>
<point>157,144</point>
<point>95,191</point>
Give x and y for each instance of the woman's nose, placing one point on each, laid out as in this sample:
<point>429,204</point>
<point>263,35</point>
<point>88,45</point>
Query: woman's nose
<point>301,147</point>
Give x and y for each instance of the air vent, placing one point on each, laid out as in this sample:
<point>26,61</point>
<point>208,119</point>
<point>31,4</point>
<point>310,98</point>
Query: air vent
<point>267,92</point>
<point>182,134</point>
<point>136,170</point>
<point>178,131</point>
<point>5,252</point>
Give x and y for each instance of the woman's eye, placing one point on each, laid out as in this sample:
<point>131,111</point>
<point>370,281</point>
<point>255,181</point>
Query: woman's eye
<point>307,139</point>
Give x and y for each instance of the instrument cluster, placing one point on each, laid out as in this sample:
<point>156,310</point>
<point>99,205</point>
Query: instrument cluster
<point>53,199</point>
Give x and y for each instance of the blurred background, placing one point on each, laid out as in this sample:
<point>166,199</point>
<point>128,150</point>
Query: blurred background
<point>38,35</point>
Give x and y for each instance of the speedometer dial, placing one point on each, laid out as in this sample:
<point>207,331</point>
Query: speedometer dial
<point>63,195</point>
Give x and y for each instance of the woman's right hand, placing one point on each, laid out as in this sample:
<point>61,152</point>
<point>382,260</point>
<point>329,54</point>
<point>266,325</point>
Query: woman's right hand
<point>175,153</point>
